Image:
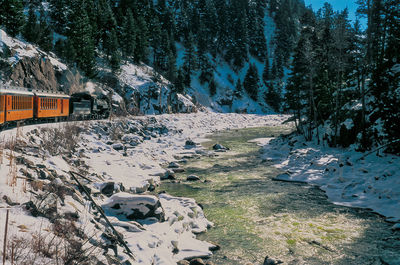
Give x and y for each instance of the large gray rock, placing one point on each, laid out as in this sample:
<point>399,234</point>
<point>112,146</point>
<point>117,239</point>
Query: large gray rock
<point>271,261</point>
<point>192,178</point>
<point>220,147</point>
<point>134,207</point>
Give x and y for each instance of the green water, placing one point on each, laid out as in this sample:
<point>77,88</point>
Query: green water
<point>255,216</point>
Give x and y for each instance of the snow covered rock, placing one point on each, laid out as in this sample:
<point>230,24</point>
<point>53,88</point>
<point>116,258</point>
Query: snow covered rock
<point>118,146</point>
<point>169,174</point>
<point>190,143</point>
<point>134,207</point>
<point>173,165</point>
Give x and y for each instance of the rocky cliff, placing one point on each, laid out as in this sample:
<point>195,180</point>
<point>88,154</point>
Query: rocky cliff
<point>136,89</point>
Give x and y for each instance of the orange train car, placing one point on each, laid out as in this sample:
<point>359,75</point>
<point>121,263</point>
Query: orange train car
<point>49,105</point>
<point>15,105</point>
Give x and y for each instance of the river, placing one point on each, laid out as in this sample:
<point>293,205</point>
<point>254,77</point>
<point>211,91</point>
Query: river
<point>255,216</point>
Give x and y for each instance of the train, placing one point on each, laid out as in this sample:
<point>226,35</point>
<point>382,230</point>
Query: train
<point>19,105</point>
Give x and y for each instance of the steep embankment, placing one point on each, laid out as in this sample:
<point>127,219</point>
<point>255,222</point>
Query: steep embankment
<point>134,90</point>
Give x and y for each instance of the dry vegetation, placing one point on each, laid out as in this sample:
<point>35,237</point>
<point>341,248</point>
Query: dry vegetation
<point>61,140</point>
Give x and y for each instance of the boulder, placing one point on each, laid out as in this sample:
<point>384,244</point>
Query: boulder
<point>197,261</point>
<point>134,207</point>
<point>118,146</point>
<point>108,188</point>
<point>190,143</point>
<point>192,178</point>
<point>173,165</point>
<point>219,147</point>
<point>183,262</point>
<point>271,261</point>
<point>178,170</point>
<point>169,174</point>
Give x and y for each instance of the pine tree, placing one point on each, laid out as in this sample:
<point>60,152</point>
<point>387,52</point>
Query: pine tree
<point>59,13</point>
<point>266,71</point>
<point>115,59</point>
<point>129,31</point>
<point>190,60</point>
<point>238,89</point>
<point>179,85</point>
<point>12,16</point>
<point>31,28</point>
<point>212,87</point>
<point>256,41</point>
<point>251,82</point>
<point>141,51</point>
<point>80,35</point>
<point>45,40</point>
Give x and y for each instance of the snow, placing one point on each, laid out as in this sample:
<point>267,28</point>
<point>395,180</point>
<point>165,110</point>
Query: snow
<point>20,49</point>
<point>137,166</point>
<point>345,175</point>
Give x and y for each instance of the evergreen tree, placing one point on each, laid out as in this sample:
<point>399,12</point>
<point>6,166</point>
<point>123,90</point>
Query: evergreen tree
<point>256,41</point>
<point>59,13</point>
<point>115,59</point>
<point>31,28</point>
<point>12,16</point>
<point>45,40</point>
<point>212,87</point>
<point>179,85</point>
<point>80,35</point>
<point>251,82</point>
<point>128,38</point>
<point>238,89</point>
<point>141,51</point>
<point>266,71</point>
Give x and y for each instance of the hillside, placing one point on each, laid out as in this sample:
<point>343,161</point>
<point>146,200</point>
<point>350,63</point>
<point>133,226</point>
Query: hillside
<point>229,58</point>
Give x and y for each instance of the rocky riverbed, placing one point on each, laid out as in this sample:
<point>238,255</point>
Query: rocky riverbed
<point>256,216</point>
<point>118,163</point>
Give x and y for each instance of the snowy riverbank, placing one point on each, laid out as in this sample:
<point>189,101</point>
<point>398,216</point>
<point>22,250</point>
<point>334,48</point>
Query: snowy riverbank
<point>120,160</point>
<point>346,176</point>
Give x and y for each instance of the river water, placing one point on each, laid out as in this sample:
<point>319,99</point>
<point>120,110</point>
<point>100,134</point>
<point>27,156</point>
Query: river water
<point>255,216</point>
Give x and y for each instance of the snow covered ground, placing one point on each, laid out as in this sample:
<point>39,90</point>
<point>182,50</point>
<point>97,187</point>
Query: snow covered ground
<point>122,159</point>
<point>347,177</point>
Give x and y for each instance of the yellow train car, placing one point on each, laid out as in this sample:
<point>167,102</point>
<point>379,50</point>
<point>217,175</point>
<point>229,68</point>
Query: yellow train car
<point>15,105</point>
<point>51,105</point>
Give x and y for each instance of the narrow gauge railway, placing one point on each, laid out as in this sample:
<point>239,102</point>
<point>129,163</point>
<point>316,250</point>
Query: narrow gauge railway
<point>24,106</point>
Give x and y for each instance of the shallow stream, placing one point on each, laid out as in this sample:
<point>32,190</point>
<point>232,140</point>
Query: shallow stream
<point>255,216</point>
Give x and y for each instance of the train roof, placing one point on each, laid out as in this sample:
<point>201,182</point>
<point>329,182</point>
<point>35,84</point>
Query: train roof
<point>13,91</point>
<point>50,95</point>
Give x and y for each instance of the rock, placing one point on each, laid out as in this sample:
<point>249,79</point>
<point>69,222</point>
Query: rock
<point>31,207</point>
<point>57,182</point>
<point>197,261</point>
<point>108,188</point>
<point>192,178</point>
<point>190,143</point>
<point>169,174</point>
<point>118,146</point>
<point>271,261</point>
<point>42,174</point>
<point>215,246</point>
<point>178,170</point>
<point>209,263</point>
<point>219,147</point>
<point>135,207</point>
<point>183,262</point>
<point>173,165</point>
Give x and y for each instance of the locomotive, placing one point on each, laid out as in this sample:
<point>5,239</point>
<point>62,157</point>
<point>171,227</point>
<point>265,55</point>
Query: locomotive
<point>22,105</point>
